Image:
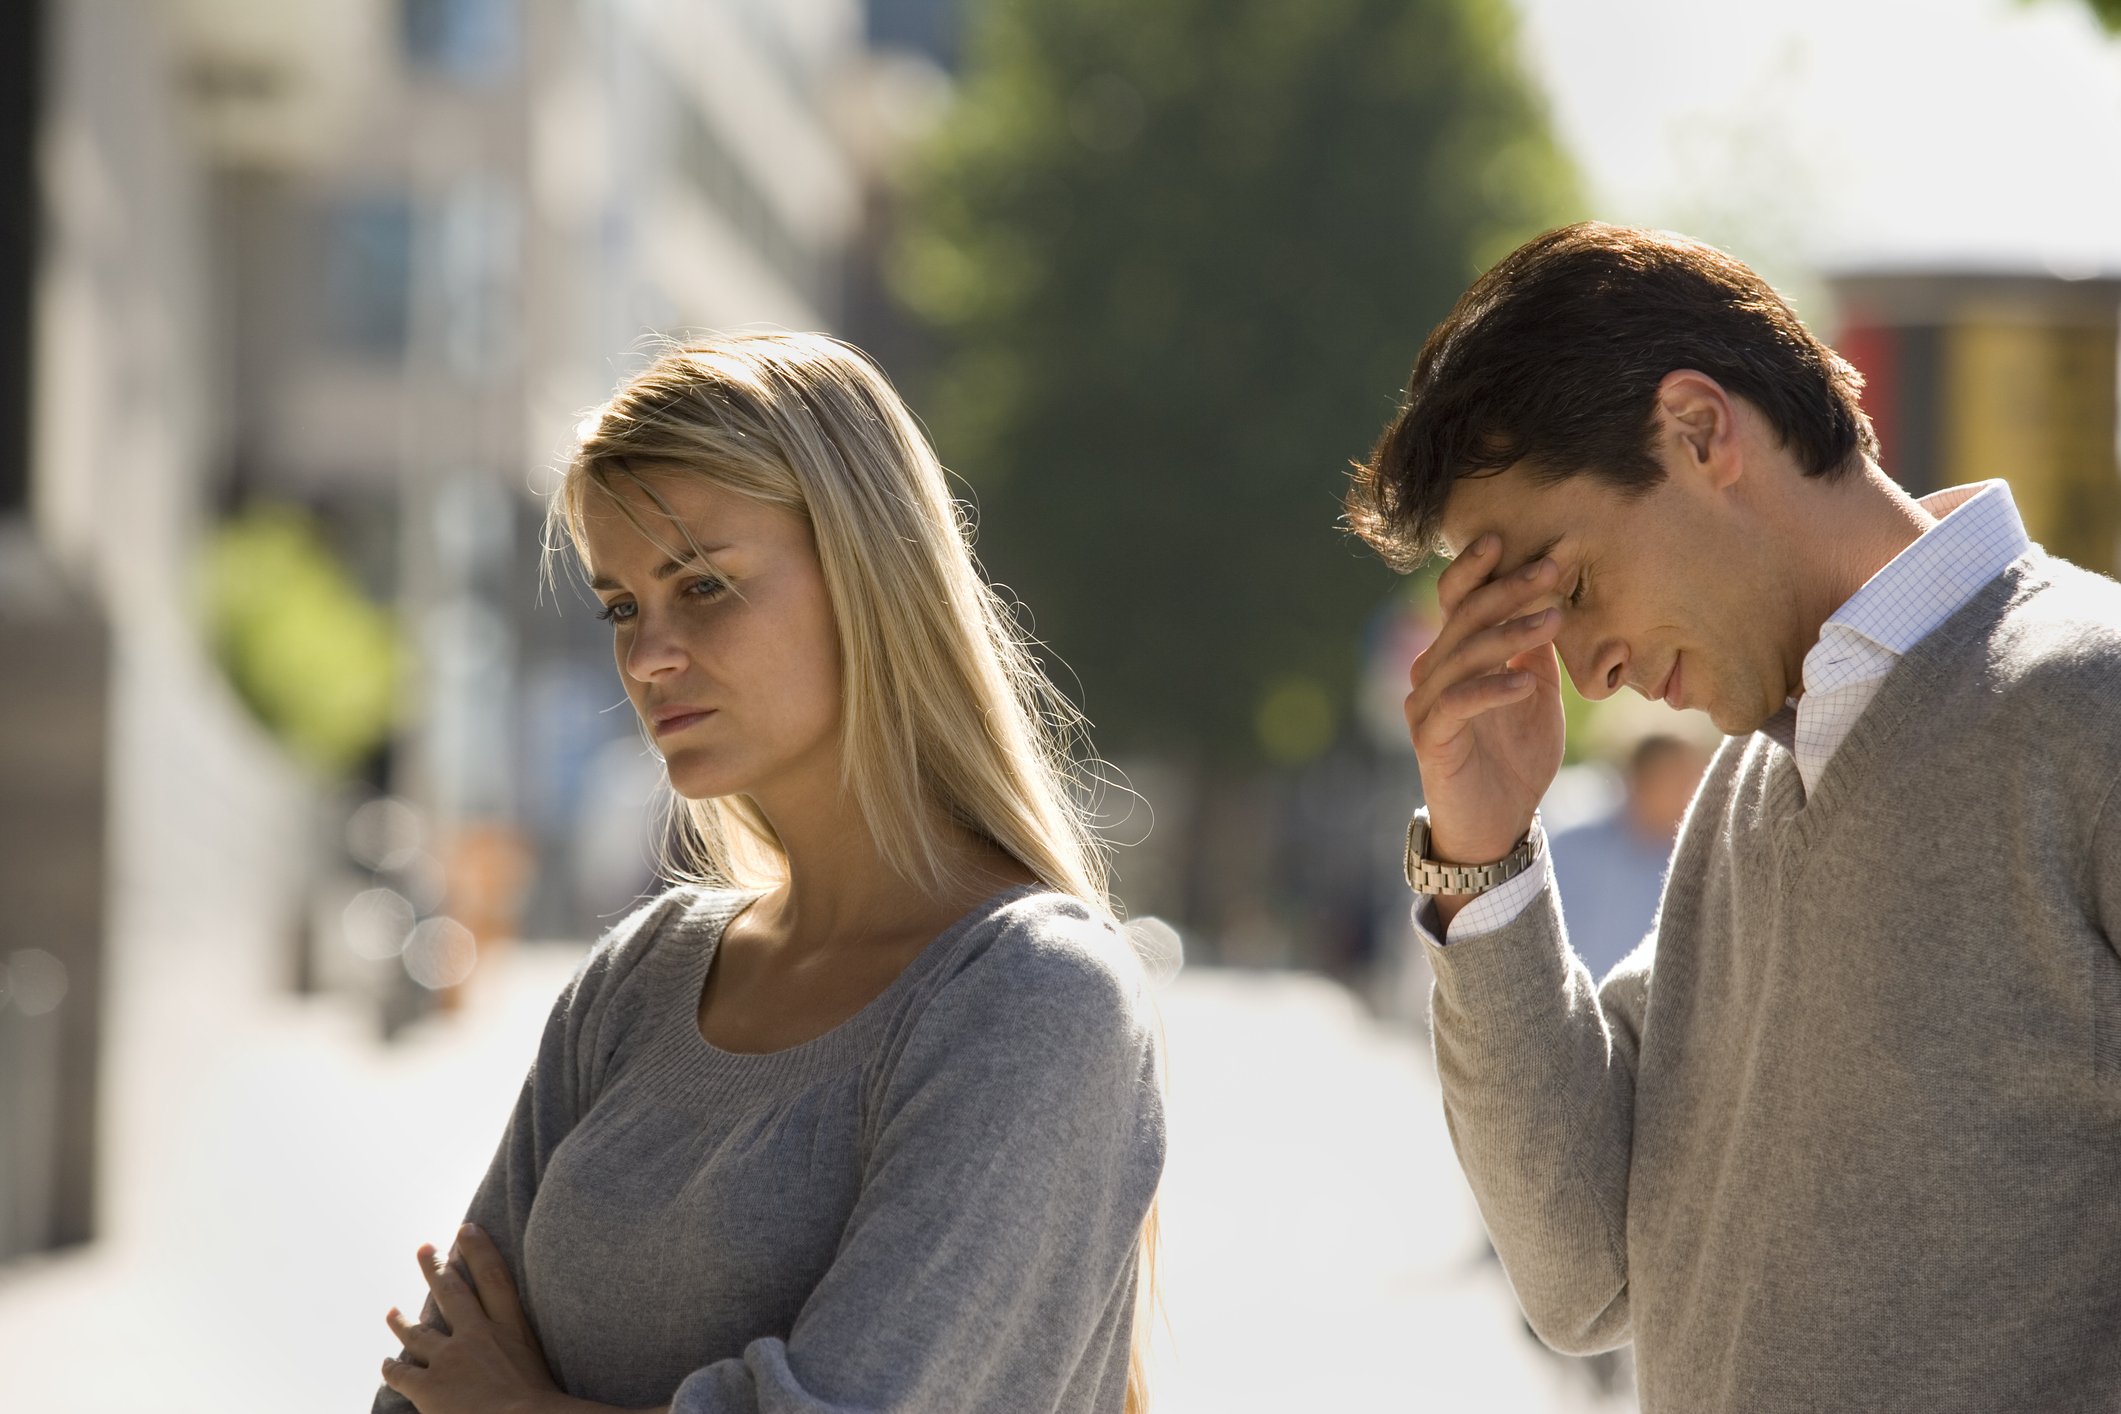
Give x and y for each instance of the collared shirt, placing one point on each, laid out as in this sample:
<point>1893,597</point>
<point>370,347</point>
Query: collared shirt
<point>1977,534</point>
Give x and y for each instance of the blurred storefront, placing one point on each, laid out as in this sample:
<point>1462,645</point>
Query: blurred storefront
<point>1971,376</point>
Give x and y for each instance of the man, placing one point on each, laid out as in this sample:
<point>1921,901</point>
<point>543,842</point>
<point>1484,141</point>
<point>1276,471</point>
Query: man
<point>1610,869</point>
<point>1847,1135</point>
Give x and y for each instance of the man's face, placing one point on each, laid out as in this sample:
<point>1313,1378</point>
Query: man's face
<point>1673,593</point>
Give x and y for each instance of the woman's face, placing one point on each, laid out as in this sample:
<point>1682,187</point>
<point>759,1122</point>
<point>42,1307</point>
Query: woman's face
<point>732,660</point>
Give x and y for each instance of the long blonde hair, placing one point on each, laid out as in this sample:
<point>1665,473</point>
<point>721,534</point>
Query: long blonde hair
<point>946,715</point>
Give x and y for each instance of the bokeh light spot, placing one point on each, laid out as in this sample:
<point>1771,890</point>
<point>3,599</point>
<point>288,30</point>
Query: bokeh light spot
<point>36,981</point>
<point>385,833</point>
<point>1294,721</point>
<point>377,923</point>
<point>440,953</point>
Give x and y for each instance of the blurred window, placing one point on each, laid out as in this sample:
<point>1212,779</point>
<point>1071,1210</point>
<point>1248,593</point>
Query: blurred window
<point>704,158</point>
<point>928,27</point>
<point>472,40</point>
<point>367,275</point>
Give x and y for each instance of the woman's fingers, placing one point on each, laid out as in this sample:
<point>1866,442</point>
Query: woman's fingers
<point>458,1303</point>
<point>490,1278</point>
<point>405,1377</point>
<point>422,1343</point>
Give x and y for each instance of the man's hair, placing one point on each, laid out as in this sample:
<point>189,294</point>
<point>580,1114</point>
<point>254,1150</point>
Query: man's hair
<point>1553,358</point>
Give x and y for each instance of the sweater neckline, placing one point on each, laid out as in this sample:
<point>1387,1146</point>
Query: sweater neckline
<point>1909,683</point>
<point>844,1045</point>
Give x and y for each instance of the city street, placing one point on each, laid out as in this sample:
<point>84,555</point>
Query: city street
<point>273,1167</point>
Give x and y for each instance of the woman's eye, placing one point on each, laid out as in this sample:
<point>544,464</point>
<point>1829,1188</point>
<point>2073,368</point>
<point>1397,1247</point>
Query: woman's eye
<point>1576,594</point>
<point>622,611</point>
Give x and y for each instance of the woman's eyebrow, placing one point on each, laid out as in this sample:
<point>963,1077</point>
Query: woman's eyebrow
<point>664,570</point>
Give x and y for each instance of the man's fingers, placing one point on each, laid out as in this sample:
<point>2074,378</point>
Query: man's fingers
<point>458,1303</point>
<point>1493,648</point>
<point>1461,704</point>
<point>1510,593</point>
<point>1488,604</point>
<point>1489,651</point>
<point>421,1343</point>
<point>489,1275</point>
<point>1465,574</point>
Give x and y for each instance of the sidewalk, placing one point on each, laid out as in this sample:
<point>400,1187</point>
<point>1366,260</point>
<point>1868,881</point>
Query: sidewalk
<point>274,1166</point>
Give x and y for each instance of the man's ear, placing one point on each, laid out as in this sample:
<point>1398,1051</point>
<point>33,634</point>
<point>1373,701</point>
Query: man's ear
<point>1697,423</point>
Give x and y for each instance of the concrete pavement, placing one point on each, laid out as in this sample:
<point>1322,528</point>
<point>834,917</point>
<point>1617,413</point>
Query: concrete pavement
<point>272,1167</point>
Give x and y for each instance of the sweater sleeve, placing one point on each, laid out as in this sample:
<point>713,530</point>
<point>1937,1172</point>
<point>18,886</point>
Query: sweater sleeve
<point>1537,1064</point>
<point>990,1260</point>
<point>580,1033</point>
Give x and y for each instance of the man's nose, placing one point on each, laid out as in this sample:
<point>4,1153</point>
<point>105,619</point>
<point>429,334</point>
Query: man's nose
<point>1599,671</point>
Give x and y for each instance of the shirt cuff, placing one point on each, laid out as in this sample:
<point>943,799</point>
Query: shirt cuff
<point>1495,909</point>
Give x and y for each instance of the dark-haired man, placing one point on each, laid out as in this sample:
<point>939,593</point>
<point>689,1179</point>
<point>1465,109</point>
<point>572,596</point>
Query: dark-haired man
<point>1848,1134</point>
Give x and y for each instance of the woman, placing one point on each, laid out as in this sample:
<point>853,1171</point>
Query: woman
<point>867,1117</point>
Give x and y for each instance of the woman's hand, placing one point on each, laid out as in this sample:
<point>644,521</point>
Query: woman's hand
<point>481,1356</point>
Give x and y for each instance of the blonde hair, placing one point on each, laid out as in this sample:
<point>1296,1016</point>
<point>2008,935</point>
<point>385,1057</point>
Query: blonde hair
<point>946,715</point>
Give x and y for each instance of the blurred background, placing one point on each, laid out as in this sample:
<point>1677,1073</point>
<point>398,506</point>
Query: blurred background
<point>311,795</point>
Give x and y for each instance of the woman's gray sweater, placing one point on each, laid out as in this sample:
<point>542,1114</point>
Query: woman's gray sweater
<point>934,1206</point>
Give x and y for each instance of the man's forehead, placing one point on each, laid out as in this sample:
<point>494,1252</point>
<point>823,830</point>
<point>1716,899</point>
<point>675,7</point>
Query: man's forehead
<point>1502,504</point>
<point>1518,549</point>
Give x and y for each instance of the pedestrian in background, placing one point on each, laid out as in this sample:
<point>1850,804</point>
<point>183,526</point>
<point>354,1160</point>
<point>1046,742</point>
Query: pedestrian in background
<point>867,1114</point>
<point>1610,869</point>
<point>1847,1133</point>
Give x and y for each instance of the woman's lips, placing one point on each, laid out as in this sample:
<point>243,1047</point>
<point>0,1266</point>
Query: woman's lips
<point>668,722</point>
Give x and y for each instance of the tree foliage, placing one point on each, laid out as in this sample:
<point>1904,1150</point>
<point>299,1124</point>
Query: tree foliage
<point>315,662</point>
<point>1182,253</point>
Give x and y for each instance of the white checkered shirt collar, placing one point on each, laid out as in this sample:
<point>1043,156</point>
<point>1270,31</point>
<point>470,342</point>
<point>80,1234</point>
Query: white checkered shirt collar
<point>1977,534</point>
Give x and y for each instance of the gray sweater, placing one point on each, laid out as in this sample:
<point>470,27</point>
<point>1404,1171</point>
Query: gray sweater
<point>933,1207</point>
<point>1847,1135</point>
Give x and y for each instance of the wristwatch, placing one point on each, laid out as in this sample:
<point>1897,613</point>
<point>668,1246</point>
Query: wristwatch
<point>1429,876</point>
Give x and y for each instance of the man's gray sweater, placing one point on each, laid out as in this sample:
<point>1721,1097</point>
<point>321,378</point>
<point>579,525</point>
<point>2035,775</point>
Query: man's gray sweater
<point>935,1206</point>
<point>1847,1134</point>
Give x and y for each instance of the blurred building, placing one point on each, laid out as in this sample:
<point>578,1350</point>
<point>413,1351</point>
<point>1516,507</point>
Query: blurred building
<point>1971,376</point>
<point>934,28</point>
<point>369,260</point>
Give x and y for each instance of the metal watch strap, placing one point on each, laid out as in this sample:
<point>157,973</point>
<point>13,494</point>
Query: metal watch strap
<point>1429,876</point>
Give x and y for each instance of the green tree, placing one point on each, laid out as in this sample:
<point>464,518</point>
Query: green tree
<point>315,662</point>
<point>1182,254</point>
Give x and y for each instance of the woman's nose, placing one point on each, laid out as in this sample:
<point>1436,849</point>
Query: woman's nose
<point>652,653</point>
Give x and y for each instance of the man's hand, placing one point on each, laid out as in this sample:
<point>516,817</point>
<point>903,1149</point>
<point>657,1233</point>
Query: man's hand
<point>480,1356</point>
<point>1485,712</point>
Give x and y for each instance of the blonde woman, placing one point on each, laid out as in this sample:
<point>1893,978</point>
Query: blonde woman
<point>868,1117</point>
